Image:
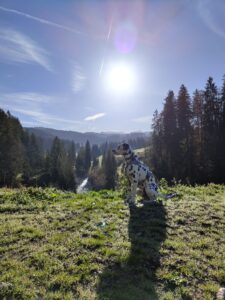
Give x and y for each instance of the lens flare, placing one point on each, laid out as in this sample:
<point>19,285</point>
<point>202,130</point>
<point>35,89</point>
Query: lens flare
<point>125,37</point>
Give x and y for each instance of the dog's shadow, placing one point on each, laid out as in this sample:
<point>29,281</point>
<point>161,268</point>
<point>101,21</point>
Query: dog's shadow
<point>135,278</point>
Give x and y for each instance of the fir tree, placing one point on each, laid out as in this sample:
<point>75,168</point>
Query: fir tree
<point>170,134</point>
<point>80,164</point>
<point>109,167</point>
<point>184,134</point>
<point>210,129</point>
<point>87,157</point>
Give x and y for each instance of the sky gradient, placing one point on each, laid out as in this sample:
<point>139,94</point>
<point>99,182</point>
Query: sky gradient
<point>55,55</point>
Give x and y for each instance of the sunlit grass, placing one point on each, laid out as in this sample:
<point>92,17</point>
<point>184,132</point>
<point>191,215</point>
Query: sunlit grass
<point>56,245</point>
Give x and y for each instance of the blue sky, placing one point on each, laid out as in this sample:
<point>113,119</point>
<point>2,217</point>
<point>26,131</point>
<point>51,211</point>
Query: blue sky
<point>55,55</point>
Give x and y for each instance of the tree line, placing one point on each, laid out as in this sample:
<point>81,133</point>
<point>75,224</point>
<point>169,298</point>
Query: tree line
<point>187,145</point>
<point>188,136</point>
<point>25,161</point>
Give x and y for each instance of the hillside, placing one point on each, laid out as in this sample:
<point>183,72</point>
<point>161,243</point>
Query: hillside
<point>80,137</point>
<point>57,245</point>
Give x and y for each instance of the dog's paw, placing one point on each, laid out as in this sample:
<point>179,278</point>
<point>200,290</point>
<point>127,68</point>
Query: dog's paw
<point>129,201</point>
<point>125,202</point>
<point>132,205</point>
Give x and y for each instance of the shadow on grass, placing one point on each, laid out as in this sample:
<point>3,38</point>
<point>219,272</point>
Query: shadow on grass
<point>134,278</point>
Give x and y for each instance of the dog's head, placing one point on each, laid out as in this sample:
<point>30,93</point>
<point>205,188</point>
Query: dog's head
<point>122,149</point>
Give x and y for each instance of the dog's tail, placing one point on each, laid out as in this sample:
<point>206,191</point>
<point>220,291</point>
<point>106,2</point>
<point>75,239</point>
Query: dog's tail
<point>168,196</point>
<point>171,195</point>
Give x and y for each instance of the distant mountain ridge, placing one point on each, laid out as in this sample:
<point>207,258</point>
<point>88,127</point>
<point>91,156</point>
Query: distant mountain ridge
<point>82,137</point>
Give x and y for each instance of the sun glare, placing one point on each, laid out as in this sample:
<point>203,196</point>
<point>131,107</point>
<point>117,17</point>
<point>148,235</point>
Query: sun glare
<point>120,79</point>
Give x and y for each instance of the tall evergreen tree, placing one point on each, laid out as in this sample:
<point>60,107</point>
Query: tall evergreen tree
<point>11,149</point>
<point>109,167</point>
<point>170,133</point>
<point>197,123</point>
<point>210,129</point>
<point>184,134</point>
<point>72,154</point>
<point>54,159</point>
<point>95,151</point>
<point>61,166</point>
<point>222,131</point>
<point>87,159</point>
<point>35,154</point>
<point>81,171</point>
<point>156,150</point>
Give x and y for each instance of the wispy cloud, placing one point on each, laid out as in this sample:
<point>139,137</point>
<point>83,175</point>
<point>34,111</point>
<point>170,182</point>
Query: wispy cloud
<point>95,117</point>
<point>41,20</point>
<point>31,105</point>
<point>212,13</point>
<point>78,79</point>
<point>144,119</point>
<point>41,117</point>
<point>27,97</point>
<point>19,48</point>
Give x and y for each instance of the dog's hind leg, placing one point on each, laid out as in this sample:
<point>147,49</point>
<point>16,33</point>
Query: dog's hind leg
<point>151,190</point>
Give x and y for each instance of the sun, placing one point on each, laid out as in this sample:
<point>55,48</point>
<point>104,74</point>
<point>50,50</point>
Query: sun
<point>120,79</point>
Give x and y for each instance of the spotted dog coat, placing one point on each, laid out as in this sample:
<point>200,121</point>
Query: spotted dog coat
<point>137,173</point>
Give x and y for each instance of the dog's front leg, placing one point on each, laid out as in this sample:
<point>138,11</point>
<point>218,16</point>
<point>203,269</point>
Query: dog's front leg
<point>128,191</point>
<point>133,192</point>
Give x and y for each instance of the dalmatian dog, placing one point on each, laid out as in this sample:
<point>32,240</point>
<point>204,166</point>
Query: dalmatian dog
<point>138,175</point>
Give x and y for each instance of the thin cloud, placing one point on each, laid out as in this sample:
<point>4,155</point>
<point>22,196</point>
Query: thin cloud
<point>95,117</point>
<point>144,119</point>
<point>40,116</point>
<point>41,20</point>
<point>31,105</point>
<point>26,97</point>
<point>19,48</point>
<point>211,16</point>
<point>36,115</point>
<point>78,79</point>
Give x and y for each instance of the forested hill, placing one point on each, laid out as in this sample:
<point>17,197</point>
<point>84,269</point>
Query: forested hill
<point>92,137</point>
<point>30,159</point>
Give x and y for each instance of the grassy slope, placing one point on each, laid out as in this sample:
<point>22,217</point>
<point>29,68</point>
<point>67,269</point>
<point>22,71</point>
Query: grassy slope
<point>56,245</point>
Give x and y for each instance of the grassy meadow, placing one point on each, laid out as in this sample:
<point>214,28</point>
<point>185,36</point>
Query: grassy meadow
<point>60,245</point>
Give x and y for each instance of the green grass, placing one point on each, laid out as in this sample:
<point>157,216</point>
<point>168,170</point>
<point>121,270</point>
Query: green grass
<point>58,245</point>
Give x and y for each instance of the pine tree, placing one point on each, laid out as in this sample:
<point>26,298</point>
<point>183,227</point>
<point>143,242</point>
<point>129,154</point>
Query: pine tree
<point>87,159</point>
<point>95,151</point>
<point>223,111</point>
<point>210,130</point>
<point>170,134</point>
<point>156,149</point>
<point>60,164</point>
<point>11,149</point>
<point>184,132</point>
<point>109,167</point>
<point>222,129</point>
<point>197,123</point>
<point>80,164</point>
<point>54,158</point>
<point>72,154</point>
<point>71,166</point>
<point>35,154</point>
